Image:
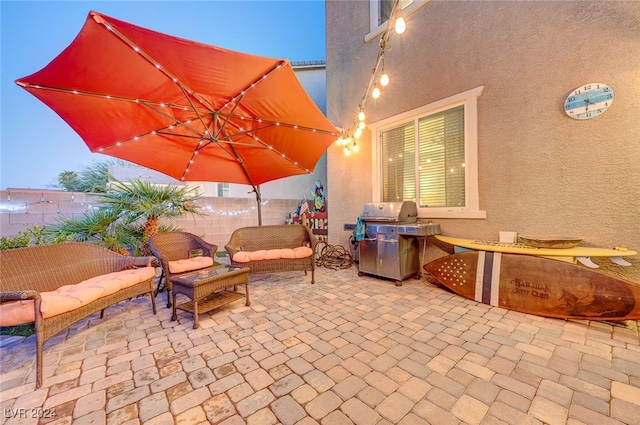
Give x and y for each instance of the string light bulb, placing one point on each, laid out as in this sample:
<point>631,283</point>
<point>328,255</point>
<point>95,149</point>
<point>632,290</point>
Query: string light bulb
<point>400,25</point>
<point>375,93</point>
<point>356,148</point>
<point>361,115</point>
<point>384,78</point>
<point>357,133</point>
<point>361,125</point>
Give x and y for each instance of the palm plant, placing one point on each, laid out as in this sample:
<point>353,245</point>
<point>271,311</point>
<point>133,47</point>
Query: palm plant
<point>127,215</point>
<point>93,178</point>
<point>140,200</point>
<point>69,180</point>
<point>100,226</point>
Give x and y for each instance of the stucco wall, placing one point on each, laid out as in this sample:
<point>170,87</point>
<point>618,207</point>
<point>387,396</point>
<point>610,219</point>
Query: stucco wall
<point>539,170</point>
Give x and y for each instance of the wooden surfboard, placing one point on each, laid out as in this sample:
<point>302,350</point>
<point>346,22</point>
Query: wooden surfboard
<point>536,285</point>
<point>581,254</point>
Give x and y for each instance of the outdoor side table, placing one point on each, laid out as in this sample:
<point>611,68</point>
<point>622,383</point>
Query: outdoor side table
<point>209,289</point>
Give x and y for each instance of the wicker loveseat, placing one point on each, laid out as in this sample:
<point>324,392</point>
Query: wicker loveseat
<point>277,248</point>
<point>57,285</point>
<point>173,250</point>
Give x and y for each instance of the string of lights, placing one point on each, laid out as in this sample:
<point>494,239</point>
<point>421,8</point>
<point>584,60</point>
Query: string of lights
<point>27,206</point>
<point>349,136</point>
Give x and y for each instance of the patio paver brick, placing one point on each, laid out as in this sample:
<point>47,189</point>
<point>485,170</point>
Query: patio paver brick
<point>348,350</point>
<point>359,413</point>
<point>287,410</point>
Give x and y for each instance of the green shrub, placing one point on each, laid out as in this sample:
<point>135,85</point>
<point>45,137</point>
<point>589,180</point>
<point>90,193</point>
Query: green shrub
<point>20,240</point>
<point>27,329</point>
<point>31,236</point>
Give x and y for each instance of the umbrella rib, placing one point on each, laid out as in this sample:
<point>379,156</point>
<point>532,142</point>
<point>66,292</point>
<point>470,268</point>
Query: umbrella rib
<point>178,122</point>
<point>100,20</point>
<point>252,85</point>
<point>160,130</point>
<point>280,124</point>
<point>195,110</point>
<point>232,144</point>
<point>238,158</point>
<point>211,140</point>
<point>227,118</point>
<point>145,102</point>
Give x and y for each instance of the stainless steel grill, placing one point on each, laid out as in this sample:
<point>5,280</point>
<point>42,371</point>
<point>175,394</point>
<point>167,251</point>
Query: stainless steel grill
<point>391,247</point>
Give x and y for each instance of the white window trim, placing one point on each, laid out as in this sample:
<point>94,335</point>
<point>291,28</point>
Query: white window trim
<point>375,29</point>
<point>469,99</point>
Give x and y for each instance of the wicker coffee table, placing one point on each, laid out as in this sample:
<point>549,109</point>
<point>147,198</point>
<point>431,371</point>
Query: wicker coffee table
<point>209,289</point>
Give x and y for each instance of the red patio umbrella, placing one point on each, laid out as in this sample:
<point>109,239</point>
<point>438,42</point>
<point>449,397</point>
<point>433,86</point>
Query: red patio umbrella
<point>190,110</point>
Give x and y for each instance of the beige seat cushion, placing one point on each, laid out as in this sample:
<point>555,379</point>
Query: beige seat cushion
<point>302,252</point>
<point>69,297</point>
<point>188,264</point>
<point>272,254</point>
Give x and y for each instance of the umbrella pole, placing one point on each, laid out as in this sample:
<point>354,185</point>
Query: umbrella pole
<point>256,189</point>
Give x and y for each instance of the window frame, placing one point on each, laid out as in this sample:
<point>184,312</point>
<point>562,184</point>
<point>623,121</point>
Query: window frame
<point>469,99</point>
<point>374,8</point>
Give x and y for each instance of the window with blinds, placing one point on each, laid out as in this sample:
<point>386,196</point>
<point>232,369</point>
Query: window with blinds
<point>429,155</point>
<point>399,164</point>
<point>441,162</point>
<point>435,177</point>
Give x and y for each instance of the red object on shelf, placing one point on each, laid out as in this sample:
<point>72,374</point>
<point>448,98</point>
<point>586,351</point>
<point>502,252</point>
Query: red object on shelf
<point>318,223</point>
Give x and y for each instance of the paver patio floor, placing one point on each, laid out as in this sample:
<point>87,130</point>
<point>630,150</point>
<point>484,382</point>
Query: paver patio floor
<point>347,350</point>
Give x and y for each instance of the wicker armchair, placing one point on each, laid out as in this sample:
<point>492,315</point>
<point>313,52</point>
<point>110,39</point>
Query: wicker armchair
<point>173,246</point>
<point>26,273</point>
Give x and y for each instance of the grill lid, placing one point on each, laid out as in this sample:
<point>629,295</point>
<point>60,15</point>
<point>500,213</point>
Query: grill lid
<point>390,212</point>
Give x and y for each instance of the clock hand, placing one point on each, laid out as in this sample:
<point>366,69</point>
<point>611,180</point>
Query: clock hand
<point>588,102</point>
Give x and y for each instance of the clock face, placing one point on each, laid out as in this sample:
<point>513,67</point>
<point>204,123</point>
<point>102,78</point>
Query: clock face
<point>588,101</point>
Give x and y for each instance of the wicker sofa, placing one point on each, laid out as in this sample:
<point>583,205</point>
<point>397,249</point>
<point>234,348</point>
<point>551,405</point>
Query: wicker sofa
<point>57,285</point>
<point>268,249</point>
<point>173,249</point>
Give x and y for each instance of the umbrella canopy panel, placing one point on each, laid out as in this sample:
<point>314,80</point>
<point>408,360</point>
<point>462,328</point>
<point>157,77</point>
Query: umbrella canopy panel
<point>190,110</point>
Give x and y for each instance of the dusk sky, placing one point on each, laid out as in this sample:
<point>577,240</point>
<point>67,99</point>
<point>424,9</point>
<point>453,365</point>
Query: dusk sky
<point>36,145</point>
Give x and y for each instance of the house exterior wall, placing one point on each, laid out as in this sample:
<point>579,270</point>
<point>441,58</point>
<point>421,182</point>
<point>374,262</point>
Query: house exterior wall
<point>540,172</point>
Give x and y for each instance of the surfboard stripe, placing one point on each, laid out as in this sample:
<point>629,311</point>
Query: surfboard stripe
<point>487,289</point>
<point>487,278</point>
<point>495,281</point>
<point>480,276</point>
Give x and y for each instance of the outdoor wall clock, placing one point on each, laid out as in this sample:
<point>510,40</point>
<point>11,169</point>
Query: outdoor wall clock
<point>588,101</point>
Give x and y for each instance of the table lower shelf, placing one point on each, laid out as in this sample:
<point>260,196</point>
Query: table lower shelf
<point>213,301</point>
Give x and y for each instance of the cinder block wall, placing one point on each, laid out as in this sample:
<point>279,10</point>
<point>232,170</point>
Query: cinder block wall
<point>24,207</point>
